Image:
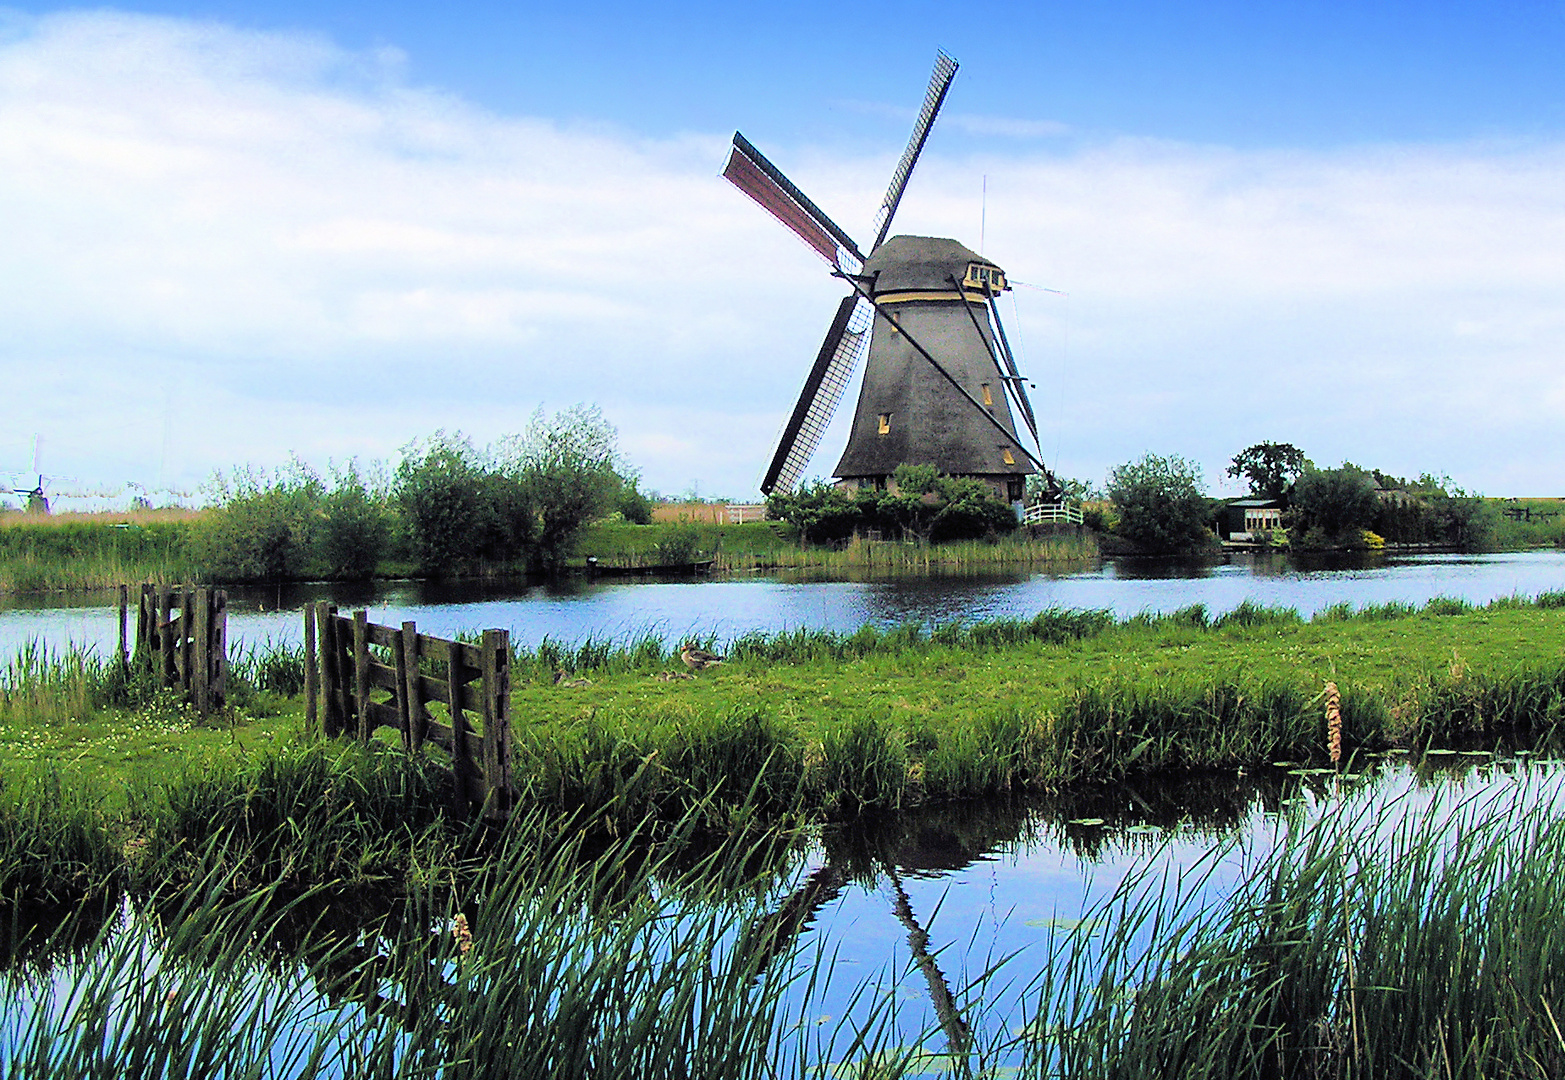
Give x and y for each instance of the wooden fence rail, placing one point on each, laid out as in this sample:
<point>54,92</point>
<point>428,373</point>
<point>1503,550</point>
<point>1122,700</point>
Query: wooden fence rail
<point>349,660</point>
<point>188,650</point>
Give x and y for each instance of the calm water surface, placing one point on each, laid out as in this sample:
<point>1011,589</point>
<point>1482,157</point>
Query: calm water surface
<point>726,608</point>
<point>987,880</point>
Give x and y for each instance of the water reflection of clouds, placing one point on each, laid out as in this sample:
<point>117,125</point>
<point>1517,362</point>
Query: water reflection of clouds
<point>1039,889</point>
<point>724,609</point>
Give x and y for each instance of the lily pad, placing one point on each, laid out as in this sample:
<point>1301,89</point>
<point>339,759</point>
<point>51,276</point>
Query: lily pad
<point>1440,753</point>
<point>1086,821</point>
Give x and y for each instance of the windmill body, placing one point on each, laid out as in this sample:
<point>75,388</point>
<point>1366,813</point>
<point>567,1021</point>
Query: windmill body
<point>934,292</point>
<point>940,382</point>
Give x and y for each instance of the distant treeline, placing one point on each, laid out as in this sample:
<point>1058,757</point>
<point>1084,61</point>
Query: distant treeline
<point>448,508</point>
<point>921,505</point>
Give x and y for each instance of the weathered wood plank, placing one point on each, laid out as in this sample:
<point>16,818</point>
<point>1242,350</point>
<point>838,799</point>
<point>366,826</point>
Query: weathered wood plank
<point>411,699</point>
<point>219,683</point>
<point>496,692</point>
<point>361,671</point>
<point>201,653</point>
<point>124,650</point>
<point>312,716</point>
<point>382,677</point>
<point>381,635</point>
<point>381,714</point>
<point>165,636</point>
<point>441,736</point>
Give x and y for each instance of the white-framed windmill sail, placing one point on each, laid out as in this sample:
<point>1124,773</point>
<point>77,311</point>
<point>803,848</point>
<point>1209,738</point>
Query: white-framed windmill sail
<point>940,380</point>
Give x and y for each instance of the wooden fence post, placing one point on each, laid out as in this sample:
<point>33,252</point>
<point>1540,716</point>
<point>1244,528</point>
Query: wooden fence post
<point>218,686</point>
<point>461,762</point>
<point>124,651</point>
<point>165,636</point>
<point>146,622</point>
<point>412,688</point>
<point>331,673</point>
<point>399,697</point>
<point>187,636</point>
<point>200,670</point>
<point>496,674</point>
<point>361,671</point>
<point>312,684</point>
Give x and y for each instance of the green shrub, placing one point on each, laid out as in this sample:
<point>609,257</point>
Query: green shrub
<point>1161,504</point>
<point>356,527</point>
<point>262,527</point>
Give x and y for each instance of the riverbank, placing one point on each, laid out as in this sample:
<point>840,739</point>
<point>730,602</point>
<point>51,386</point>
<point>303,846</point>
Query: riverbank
<point>81,552</point>
<point>812,725</point>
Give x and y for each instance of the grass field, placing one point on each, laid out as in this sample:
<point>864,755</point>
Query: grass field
<point>821,722</point>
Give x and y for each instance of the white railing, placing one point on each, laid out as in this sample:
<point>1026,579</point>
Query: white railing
<point>739,513</point>
<point>1040,513</point>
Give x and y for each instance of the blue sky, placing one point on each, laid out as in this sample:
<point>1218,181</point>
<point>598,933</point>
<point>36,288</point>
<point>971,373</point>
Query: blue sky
<point>1337,225</point>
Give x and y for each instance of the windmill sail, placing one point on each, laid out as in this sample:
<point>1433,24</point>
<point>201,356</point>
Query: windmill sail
<point>1014,380</point>
<point>845,344</point>
<point>939,83</point>
<point>750,172</point>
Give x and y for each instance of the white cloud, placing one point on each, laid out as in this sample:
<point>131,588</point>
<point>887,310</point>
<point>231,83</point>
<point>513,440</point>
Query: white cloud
<point>1006,126</point>
<point>262,243</point>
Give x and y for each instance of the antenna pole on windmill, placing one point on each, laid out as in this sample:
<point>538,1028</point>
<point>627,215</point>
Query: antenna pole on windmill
<point>983,214</point>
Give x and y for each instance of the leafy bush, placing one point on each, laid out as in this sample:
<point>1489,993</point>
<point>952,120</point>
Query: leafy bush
<point>263,525</point>
<point>442,489</point>
<point>1161,504</point>
<point>921,505</point>
<point>356,526</point>
<point>1335,501</point>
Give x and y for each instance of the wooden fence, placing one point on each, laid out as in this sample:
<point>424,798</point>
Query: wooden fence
<point>188,650</point>
<point>348,660</point>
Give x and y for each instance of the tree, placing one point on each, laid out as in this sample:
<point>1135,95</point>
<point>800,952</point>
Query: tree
<point>917,501</point>
<point>567,472</point>
<point>447,502</point>
<point>1271,468</point>
<point>355,529</point>
<point>263,526</point>
<point>1334,500</point>
<point>1161,503</point>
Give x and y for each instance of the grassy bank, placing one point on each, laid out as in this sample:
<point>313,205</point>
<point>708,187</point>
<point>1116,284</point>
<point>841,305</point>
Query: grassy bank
<point>94,551</point>
<point>818,723</point>
<point>767,545</point>
<point>888,717</point>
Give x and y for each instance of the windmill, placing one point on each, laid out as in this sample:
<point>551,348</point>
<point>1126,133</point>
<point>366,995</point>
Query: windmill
<point>941,379</point>
<point>34,499</point>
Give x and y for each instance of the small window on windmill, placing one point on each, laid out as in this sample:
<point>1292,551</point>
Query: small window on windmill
<point>988,397</point>
<point>1007,458</point>
<point>988,279</point>
<point>885,423</point>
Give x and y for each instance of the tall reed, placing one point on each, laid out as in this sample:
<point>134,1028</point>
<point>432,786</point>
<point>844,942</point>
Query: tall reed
<point>1454,970</point>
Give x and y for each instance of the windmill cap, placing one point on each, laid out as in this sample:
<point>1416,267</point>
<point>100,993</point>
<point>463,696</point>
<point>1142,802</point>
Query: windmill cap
<point>920,263</point>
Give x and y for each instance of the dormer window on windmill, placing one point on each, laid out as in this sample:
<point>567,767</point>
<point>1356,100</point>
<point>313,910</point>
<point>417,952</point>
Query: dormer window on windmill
<point>989,280</point>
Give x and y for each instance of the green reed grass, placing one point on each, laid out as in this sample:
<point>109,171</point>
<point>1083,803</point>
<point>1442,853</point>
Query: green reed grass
<point>555,956</point>
<point>1376,941</point>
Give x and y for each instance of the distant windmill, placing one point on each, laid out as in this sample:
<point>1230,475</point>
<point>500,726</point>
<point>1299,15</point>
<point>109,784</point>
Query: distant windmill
<point>37,502</point>
<point>941,377</point>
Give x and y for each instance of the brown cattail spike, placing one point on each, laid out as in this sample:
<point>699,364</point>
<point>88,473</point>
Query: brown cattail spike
<point>1333,723</point>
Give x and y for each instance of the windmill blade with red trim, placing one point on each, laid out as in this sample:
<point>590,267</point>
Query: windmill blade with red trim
<point>847,339</point>
<point>750,172</point>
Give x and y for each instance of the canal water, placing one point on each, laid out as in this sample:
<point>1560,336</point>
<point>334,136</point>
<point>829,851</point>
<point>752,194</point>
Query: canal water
<point>968,903</point>
<point>978,881</point>
<point>726,607</point>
